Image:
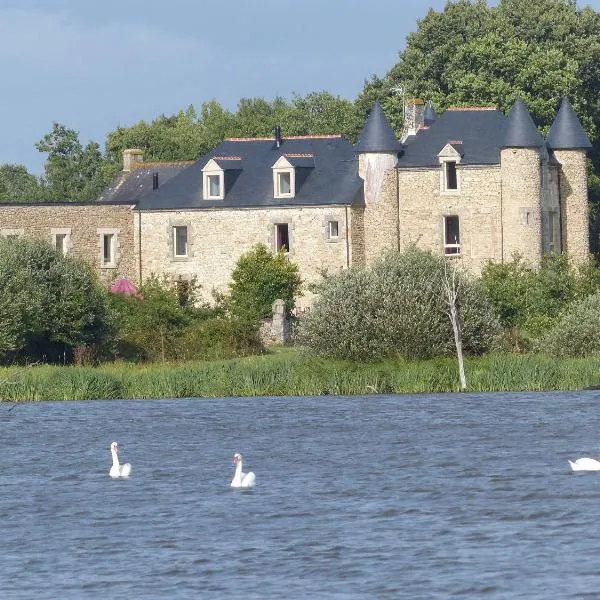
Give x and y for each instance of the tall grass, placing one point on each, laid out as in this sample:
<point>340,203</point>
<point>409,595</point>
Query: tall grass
<point>295,373</point>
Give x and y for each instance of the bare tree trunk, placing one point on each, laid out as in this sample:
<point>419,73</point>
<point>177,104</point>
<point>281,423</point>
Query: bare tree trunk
<point>452,286</point>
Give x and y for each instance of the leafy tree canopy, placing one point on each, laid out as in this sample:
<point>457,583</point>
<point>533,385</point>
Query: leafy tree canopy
<point>259,278</point>
<point>475,54</point>
<point>49,305</point>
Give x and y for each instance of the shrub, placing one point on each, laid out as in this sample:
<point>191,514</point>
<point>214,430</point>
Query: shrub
<point>578,331</point>
<point>259,278</point>
<point>50,303</point>
<point>396,307</point>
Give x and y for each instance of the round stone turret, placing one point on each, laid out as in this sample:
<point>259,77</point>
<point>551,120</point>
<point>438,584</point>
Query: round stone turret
<point>569,142</point>
<point>521,168</point>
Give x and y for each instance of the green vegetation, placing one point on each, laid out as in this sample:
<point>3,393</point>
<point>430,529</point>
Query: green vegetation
<point>50,304</point>
<point>291,373</point>
<point>396,307</point>
<point>259,278</point>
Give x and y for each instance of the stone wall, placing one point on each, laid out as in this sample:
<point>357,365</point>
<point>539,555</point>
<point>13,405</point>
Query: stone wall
<point>574,195</point>
<point>423,204</point>
<point>82,225</point>
<point>521,203</point>
<point>217,239</point>
<point>380,220</point>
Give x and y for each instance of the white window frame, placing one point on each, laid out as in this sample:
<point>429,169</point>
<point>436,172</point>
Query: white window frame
<point>330,234</point>
<point>66,235</point>
<point>103,233</point>
<point>212,169</point>
<point>176,229</point>
<point>280,168</point>
<point>279,174</point>
<point>451,248</point>
<point>449,154</point>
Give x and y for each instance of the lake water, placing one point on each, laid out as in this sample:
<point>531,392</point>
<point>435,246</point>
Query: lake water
<point>417,497</point>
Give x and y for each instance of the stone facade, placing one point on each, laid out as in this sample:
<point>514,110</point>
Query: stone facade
<point>526,199</point>
<point>217,239</point>
<point>81,228</point>
<point>574,209</point>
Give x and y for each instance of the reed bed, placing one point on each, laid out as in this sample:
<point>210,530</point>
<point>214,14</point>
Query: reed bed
<point>289,372</point>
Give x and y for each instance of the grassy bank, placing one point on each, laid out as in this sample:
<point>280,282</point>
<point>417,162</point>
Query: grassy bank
<point>292,373</point>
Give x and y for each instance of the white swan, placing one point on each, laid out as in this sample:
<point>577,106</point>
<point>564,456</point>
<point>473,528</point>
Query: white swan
<point>118,470</point>
<point>585,464</point>
<point>241,479</point>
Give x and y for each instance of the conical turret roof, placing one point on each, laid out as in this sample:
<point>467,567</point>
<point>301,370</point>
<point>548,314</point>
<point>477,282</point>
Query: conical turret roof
<point>521,131</point>
<point>377,134</point>
<point>429,116</point>
<point>566,131</point>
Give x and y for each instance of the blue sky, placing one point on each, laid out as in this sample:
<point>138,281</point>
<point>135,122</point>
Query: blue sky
<point>95,65</point>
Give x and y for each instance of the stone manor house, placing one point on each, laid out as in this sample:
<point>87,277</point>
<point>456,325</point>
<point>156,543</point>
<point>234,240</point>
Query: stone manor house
<point>471,184</point>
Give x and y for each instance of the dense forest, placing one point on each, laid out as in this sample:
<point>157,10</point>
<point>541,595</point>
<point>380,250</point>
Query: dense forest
<point>468,54</point>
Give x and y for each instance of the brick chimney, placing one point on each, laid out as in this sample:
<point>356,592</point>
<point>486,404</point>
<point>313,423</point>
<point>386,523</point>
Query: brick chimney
<point>132,159</point>
<point>414,111</point>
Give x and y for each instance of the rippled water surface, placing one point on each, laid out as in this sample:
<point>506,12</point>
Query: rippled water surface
<point>417,497</point>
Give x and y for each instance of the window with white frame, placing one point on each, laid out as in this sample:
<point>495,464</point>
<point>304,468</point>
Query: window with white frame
<point>213,182</point>
<point>180,241</point>
<point>451,235</point>
<point>108,248</point>
<point>214,185</point>
<point>333,231</point>
<point>284,178</point>
<point>284,184</point>
<point>450,157</point>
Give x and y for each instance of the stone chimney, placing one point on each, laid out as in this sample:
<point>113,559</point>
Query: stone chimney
<point>132,159</point>
<point>414,114</point>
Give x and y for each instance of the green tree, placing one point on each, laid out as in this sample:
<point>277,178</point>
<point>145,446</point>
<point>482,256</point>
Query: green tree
<point>50,303</point>
<point>472,53</point>
<point>72,172</point>
<point>18,185</point>
<point>399,306</point>
<point>577,333</point>
<point>258,279</point>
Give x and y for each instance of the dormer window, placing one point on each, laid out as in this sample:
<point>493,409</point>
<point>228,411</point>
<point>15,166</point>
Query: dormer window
<point>213,184</point>
<point>284,179</point>
<point>284,184</point>
<point>449,158</point>
<point>290,172</point>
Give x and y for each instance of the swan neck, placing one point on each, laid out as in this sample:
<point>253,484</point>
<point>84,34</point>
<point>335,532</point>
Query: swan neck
<point>115,458</point>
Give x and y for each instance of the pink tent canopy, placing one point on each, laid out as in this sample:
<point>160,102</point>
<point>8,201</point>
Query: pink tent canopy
<point>125,287</point>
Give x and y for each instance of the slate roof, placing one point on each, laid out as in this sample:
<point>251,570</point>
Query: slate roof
<point>377,134</point>
<point>566,131</point>
<point>327,173</point>
<point>475,132</point>
<point>130,187</point>
<point>521,131</point>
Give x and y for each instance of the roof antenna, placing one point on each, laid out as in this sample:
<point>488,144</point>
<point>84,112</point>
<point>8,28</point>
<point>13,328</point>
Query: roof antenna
<point>277,136</point>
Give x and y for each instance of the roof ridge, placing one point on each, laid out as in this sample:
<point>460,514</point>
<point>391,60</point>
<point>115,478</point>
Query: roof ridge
<point>465,108</point>
<point>287,137</point>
